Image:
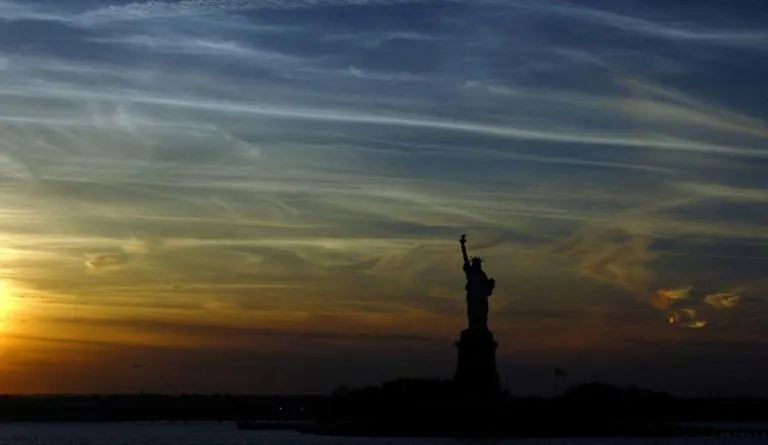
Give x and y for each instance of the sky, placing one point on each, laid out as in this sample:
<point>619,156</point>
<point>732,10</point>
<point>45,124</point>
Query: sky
<point>253,196</point>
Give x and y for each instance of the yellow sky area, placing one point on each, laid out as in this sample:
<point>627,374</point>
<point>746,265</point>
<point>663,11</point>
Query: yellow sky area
<point>51,341</point>
<point>170,326</point>
<point>153,300</point>
<point>57,320</point>
<point>9,304</point>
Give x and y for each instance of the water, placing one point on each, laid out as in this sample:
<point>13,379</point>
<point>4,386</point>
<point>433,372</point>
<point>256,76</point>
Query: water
<point>227,434</point>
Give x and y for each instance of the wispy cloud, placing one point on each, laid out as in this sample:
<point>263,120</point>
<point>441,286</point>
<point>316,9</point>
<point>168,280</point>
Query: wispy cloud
<point>454,126</point>
<point>11,10</point>
<point>678,31</point>
<point>163,9</point>
<point>193,45</point>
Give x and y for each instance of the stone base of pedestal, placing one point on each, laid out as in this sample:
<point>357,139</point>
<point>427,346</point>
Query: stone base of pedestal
<point>476,374</point>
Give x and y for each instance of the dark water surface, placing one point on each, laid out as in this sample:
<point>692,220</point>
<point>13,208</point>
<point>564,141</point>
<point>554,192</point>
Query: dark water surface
<point>227,434</point>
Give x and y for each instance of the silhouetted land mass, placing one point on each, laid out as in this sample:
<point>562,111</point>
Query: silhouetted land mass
<point>430,407</point>
<point>159,407</point>
<point>417,400</point>
<point>403,397</point>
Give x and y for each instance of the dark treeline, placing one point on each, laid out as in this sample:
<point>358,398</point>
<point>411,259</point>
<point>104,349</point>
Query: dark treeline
<point>397,399</point>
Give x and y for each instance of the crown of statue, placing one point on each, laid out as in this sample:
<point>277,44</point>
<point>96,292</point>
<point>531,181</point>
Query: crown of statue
<point>477,259</point>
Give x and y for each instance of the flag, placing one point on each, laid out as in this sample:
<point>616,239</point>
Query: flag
<point>560,373</point>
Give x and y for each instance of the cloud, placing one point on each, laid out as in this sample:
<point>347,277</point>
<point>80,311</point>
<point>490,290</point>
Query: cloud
<point>612,255</point>
<point>618,252</point>
<point>723,300</point>
<point>142,246</point>
<point>451,126</point>
<point>751,38</point>
<point>719,191</point>
<point>686,317</point>
<point>621,263</point>
<point>159,9</point>
<point>133,250</point>
<point>164,9</point>
<point>666,297</point>
<point>663,104</point>
<point>163,101</point>
<point>105,260</point>
<point>695,310</point>
<point>10,10</point>
<point>11,168</point>
<point>195,45</point>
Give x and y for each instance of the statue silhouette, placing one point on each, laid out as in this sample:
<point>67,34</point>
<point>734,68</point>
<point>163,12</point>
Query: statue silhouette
<point>479,288</point>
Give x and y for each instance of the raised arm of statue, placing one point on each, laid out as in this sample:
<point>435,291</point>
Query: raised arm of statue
<point>463,242</point>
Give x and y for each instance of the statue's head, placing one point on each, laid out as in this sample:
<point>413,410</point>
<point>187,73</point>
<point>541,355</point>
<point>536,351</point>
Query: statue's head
<point>477,262</point>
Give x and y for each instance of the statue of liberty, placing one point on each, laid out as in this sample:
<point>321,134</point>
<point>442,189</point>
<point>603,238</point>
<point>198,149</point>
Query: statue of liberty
<point>479,288</point>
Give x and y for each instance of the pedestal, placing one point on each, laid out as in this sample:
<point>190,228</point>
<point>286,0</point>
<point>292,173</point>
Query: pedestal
<point>476,374</point>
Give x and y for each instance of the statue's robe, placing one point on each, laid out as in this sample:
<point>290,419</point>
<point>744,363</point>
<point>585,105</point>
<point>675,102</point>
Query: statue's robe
<point>478,288</point>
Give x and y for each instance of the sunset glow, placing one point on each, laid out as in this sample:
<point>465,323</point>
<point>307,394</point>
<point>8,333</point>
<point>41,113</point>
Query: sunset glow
<point>8,304</point>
